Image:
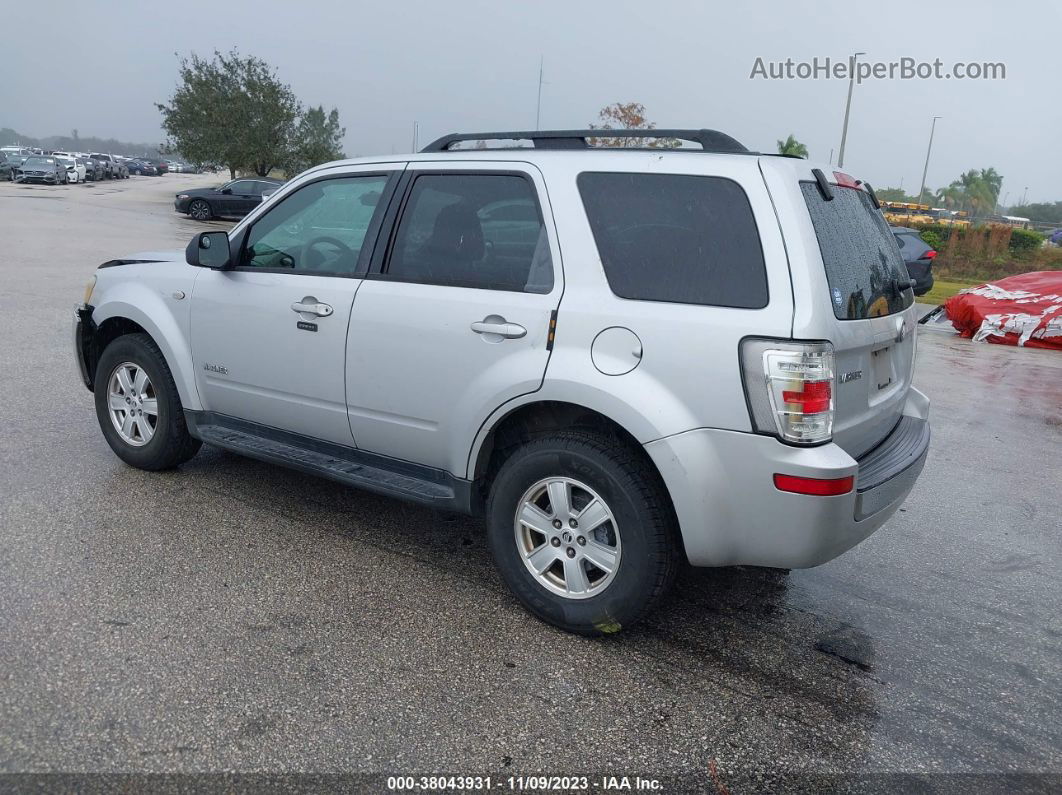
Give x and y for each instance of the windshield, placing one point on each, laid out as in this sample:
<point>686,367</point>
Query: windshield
<point>40,161</point>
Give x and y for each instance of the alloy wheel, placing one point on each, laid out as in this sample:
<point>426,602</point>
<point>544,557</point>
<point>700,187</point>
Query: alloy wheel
<point>132,404</point>
<point>567,537</point>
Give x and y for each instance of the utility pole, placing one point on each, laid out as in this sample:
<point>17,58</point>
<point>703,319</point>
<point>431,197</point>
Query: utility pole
<point>538,105</point>
<point>1025,195</point>
<point>929,149</point>
<point>847,109</point>
<point>831,156</point>
<point>415,130</point>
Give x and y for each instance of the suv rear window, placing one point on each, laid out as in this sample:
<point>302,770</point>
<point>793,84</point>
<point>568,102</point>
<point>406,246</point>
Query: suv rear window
<point>864,268</point>
<point>677,238</point>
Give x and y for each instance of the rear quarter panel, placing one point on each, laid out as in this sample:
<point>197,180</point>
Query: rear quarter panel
<point>688,375</point>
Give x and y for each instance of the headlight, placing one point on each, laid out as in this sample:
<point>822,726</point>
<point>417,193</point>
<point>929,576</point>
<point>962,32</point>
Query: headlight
<point>182,195</point>
<point>89,288</point>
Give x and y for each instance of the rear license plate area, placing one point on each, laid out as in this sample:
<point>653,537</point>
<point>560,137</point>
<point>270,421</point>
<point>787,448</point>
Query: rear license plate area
<point>881,368</point>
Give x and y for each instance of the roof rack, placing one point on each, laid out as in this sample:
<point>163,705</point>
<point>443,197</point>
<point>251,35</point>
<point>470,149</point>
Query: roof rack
<point>710,140</point>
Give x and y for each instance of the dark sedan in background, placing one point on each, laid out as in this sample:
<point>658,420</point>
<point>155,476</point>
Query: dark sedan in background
<point>232,200</point>
<point>918,255</point>
<point>10,164</point>
<point>141,167</point>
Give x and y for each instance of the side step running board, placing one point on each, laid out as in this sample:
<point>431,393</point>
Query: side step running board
<point>348,465</point>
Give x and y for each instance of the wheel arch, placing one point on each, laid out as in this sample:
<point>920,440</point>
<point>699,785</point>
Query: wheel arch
<point>535,418</point>
<point>115,319</point>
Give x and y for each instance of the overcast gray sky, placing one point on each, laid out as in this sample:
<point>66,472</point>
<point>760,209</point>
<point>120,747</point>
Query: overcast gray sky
<point>474,66</point>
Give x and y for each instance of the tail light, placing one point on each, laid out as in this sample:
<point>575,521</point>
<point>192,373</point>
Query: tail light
<point>930,254</point>
<point>789,388</point>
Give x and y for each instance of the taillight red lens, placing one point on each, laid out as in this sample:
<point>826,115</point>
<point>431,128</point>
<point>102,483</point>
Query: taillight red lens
<point>812,398</point>
<point>930,254</point>
<point>816,487</point>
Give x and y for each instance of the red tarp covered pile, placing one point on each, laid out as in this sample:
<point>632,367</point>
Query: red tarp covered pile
<point>1019,310</point>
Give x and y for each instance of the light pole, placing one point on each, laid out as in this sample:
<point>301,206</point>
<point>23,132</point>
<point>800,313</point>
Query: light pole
<point>1025,195</point>
<point>929,149</point>
<point>538,104</point>
<point>847,109</point>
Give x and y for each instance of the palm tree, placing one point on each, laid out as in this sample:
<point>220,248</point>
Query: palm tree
<point>994,180</point>
<point>791,146</point>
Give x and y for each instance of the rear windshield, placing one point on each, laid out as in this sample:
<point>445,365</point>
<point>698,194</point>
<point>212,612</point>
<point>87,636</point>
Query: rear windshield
<point>677,238</point>
<point>865,271</point>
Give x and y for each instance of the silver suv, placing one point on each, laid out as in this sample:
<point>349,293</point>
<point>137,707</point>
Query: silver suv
<point>621,358</point>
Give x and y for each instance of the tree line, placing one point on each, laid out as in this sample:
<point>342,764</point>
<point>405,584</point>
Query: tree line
<point>234,111</point>
<point>77,143</point>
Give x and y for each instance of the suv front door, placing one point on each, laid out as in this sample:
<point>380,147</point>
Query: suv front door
<point>268,336</point>
<point>454,317</point>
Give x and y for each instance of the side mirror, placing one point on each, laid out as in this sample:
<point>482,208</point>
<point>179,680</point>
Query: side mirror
<point>209,250</point>
<point>227,191</point>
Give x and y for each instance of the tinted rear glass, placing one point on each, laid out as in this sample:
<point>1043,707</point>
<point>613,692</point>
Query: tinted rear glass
<point>865,271</point>
<point>677,238</point>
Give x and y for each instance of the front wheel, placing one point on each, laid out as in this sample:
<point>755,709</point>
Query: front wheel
<point>137,405</point>
<point>200,210</point>
<point>582,531</point>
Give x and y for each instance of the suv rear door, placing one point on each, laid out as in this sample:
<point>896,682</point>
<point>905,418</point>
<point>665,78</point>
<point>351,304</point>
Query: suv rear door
<point>453,318</point>
<point>850,287</point>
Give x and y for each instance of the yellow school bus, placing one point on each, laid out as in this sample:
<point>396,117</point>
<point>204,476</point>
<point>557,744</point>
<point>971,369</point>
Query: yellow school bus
<point>904,213</point>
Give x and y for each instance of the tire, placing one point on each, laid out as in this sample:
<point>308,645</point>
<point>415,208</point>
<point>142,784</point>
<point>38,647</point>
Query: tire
<point>200,210</point>
<point>640,531</point>
<point>168,444</point>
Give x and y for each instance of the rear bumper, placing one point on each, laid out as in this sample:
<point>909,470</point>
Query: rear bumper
<point>730,513</point>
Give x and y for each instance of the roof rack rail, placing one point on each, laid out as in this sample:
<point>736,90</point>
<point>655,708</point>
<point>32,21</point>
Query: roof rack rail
<point>710,140</point>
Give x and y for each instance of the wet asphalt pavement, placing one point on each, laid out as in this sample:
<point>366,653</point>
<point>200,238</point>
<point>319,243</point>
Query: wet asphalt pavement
<point>241,617</point>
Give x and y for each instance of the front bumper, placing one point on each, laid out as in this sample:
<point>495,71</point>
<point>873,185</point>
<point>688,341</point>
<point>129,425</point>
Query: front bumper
<point>181,205</point>
<point>730,513</point>
<point>85,343</point>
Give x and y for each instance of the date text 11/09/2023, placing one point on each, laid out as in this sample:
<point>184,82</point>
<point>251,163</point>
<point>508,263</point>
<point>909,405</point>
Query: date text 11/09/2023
<point>540,783</point>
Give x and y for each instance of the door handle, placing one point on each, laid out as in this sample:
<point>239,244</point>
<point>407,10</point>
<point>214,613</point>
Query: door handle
<point>311,307</point>
<point>497,325</point>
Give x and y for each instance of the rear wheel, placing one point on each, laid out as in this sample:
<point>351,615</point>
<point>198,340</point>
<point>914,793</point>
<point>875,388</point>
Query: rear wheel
<point>582,531</point>
<point>200,210</point>
<point>138,407</point>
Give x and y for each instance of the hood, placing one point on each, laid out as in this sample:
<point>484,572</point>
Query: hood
<point>199,192</point>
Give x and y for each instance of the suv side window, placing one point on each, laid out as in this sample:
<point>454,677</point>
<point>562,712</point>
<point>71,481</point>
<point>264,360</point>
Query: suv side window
<point>320,228</point>
<point>472,230</point>
<point>676,238</point>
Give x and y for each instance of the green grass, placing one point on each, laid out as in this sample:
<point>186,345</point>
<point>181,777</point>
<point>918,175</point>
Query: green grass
<point>943,289</point>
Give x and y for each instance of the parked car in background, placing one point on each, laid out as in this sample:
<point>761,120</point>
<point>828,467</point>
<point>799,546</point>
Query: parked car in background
<point>110,165</point>
<point>75,169</point>
<point>918,256</point>
<point>10,162</point>
<point>105,165</point>
<point>232,200</point>
<point>141,168</point>
<point>161,166</point>
<point>95,169</point>
<point>42,168</point>
<point>121,169</point>
<point>15,150</point>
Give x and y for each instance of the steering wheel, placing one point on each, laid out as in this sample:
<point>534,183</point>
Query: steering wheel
<point>308,253</point>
